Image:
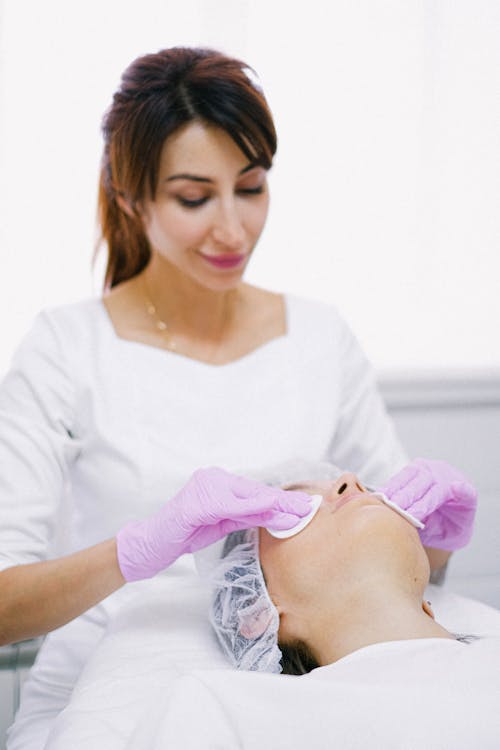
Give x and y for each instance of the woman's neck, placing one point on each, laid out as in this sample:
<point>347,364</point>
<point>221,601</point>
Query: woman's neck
<point>190,309</point>
<point>372,620</point>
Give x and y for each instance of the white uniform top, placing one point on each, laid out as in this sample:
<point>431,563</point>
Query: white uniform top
<point>106,430</point>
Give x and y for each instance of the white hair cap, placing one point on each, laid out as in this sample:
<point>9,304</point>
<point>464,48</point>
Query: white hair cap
<point>242,614</point>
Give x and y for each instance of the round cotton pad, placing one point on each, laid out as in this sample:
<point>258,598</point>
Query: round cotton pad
<point>285,533</point>
<point>414,521</point>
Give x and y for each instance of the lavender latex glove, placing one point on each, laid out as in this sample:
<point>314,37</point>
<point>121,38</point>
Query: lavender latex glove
<point>439,496</point>
<point>212,504</point>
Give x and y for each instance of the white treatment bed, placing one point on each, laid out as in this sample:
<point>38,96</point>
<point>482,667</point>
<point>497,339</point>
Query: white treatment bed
<point>456,420</point>
<point>150,687</point>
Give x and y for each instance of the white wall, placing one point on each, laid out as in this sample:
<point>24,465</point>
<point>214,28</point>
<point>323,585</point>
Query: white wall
<point>387,182</point>
<point>458,420</point>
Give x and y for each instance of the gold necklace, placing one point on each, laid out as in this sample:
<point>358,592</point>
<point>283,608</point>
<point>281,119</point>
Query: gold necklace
<point>160,324</point>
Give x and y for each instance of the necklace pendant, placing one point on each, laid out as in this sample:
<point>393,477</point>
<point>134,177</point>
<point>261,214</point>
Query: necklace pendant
<point>159,324</point>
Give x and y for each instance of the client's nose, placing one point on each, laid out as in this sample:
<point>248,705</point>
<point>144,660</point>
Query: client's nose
<point>348,484</point>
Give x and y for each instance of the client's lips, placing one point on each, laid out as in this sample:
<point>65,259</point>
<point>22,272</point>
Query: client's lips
<point>347,497</point>
<point>376,498</point>
<point>342,501</point>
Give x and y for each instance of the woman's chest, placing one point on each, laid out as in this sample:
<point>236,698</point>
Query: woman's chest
<point>140,421</point>
<point>263,321</point>
<point>260,318</point>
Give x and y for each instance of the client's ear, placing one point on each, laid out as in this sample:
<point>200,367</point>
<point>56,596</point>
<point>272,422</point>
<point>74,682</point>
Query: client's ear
<point>426,606</point>
<point>255,620</point>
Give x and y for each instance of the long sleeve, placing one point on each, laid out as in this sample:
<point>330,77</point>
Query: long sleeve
<point>36,443</point>
<point>365,439</point>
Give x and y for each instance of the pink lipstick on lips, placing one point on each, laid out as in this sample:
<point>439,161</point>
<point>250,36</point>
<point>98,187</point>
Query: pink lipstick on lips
<point>227,260</point>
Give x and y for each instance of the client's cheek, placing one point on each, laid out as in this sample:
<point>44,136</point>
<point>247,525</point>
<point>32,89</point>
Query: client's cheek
<point>279,559</point>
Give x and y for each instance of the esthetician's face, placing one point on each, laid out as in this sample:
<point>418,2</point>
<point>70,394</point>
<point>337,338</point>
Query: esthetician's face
<point>211,203</point>
<point>352,536</point>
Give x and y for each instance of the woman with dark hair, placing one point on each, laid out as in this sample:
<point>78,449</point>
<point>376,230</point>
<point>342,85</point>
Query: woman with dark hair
<point>113,404</point>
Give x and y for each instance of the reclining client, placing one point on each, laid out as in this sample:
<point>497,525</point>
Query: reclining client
<point>355,576</point>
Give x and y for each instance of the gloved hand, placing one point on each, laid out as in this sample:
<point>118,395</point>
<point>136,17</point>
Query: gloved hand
<point>439,496</point>
<point>212,504</point>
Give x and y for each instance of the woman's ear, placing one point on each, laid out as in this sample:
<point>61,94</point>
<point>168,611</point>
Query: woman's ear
<point>426,606</point>
<point>126,206</point>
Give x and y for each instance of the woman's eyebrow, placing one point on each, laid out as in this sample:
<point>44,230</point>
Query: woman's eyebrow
<point>186,176</point>
<point>199,178</point>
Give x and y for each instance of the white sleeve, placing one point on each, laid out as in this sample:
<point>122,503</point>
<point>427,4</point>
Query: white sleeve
<point>36,443</point>
<point>365,439</point>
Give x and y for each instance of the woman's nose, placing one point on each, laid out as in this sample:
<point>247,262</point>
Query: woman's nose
<point>228,230</point>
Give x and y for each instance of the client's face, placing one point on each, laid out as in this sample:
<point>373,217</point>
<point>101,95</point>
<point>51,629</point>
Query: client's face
<point>354,544</point>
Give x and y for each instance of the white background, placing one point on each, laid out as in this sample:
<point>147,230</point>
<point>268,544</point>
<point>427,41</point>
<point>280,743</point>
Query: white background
<point>386,186</point>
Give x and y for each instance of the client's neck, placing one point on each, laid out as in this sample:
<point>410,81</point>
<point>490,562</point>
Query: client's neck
<point>369,618</point>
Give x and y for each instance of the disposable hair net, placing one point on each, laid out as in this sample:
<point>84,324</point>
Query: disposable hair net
<point>243,616</point>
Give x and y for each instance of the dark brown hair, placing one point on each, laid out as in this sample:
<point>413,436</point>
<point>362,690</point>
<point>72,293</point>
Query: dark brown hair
<point>159,93</point>
<point>297,657</point>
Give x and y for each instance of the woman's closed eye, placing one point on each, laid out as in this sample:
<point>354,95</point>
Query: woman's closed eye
<point>196,202</point>
<point>192,202</point>
<point>252,190</point>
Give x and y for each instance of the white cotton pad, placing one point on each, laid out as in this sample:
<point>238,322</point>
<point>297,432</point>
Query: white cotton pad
<point>285,533</point>
<point>414,521</point>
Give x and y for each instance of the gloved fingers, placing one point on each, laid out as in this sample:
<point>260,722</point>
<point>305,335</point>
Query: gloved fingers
<point>260,497</point>
<point>447,534</point>
<point>245,488</point>
<point>286,500</point>
<point>278,521</point>
<point>293,502</point>
<point>214,481</point>
<point>464,493</point>
<point>413,491</point>
<point>273,520</point>
<point>223,495</point>
<point>458,526</point>
<point>211,534</point>
<point>399,480</point>
<point>207,535</point>
<point>433,499</point>
<point>229,525</point>
<point>269,499</point>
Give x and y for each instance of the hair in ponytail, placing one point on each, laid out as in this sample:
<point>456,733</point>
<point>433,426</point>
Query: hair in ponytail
<point>159,93</point>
